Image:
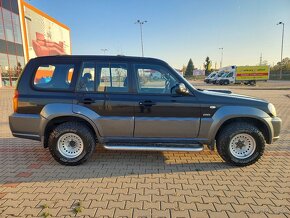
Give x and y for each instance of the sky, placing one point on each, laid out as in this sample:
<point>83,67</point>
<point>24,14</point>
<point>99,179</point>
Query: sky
<point>177,30</point>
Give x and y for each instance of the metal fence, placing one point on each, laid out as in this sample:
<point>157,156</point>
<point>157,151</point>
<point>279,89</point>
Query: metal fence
<point>275,75</point>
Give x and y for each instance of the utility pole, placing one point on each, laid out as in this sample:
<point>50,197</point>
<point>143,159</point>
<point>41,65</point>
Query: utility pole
<point>222,54</point>
<point>261,59</point>
<point>281,69</point>
<point>141,32</point>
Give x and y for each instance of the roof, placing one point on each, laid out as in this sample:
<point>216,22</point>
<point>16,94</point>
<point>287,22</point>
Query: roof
<point>103,57</point>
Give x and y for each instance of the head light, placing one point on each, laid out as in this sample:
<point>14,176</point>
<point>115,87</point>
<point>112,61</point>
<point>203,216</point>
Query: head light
<point>272,109</point>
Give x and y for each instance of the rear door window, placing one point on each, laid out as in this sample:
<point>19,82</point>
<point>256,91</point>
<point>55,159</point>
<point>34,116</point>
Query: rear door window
<point>112,77</point>
<point>87,78</point>
<point>54,76</point>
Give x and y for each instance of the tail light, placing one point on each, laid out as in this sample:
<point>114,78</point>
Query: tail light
<point>15,101</point>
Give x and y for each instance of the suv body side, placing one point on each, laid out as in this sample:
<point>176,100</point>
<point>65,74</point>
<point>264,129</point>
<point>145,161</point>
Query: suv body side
<point>125,117</point>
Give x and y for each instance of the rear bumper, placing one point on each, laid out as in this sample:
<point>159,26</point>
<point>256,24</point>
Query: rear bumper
<point>25,126</point>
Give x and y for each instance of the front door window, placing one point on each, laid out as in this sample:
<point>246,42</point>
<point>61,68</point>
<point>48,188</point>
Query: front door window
<point>152,79</point>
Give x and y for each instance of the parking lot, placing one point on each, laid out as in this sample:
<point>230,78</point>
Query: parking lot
<point>144,184</point>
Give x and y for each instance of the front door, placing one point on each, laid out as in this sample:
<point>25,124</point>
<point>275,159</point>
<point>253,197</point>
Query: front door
<point>160,113</point>
<point>104,89</point>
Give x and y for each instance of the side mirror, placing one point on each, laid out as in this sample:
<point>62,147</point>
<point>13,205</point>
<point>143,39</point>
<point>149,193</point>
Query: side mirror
<point>181,89</point>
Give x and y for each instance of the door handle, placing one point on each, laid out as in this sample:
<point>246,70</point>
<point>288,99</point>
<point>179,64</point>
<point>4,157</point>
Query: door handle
<point>146,103</point>
<point>87,101</point>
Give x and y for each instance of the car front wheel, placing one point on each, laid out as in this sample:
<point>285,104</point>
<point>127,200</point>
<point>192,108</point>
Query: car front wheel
<point>241,144</point>
<point>71,143</point>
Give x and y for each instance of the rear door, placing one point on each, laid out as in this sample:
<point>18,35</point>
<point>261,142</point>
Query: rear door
<point>104,87</point>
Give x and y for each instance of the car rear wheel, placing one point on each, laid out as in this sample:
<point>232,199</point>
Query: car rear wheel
<point>241,144</point>
<point>71,143</point>
<point>252,83</point>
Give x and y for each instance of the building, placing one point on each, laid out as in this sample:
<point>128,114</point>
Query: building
<point>25,33</point>
<point>197,72</point>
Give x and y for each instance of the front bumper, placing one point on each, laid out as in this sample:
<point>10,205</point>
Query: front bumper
<point>276,124</point>
<point>25,126</point>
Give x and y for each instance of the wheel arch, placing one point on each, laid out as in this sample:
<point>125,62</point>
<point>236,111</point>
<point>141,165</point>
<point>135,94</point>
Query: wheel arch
<point>51,124</point>
<point>210,127</point>
<point>57,113</point>
<point>259,123</point>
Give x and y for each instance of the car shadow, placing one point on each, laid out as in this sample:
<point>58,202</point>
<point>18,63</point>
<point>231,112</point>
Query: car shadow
<point>27,161</point>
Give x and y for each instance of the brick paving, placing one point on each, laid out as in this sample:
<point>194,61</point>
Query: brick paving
<point>143,184</point>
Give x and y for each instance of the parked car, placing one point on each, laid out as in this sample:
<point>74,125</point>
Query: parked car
<point>217,76</point>
<point>75,110</point>
<point>209,77</point>
<point>224,78</point>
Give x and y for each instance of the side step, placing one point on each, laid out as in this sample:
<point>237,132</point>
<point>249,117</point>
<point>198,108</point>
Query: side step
<point>155,147</point>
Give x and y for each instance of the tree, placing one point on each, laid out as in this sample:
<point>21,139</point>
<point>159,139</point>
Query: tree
<point>207,66</point>
<point>183,69</point>
<point>285,64</point>
<point>275,70</point>
<point>189,69</point>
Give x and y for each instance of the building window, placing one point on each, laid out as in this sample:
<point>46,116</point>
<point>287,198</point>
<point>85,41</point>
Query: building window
<point>3,63</point>
<point>2,36</point>
<point>19,48</point>
<point>16,28</point>
<point>6,4</point>
<point>20,63</point>
<point>14,6</point>
<point>10,5</point>
<point>11,48</point>
<point>3,45</point>
<point>8,25</point>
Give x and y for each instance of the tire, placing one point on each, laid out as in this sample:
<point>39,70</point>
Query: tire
<point>221,82</point>
<point>64,151</point>
<point>247,154</point>
<point>226,82</point>
<point>252,83</point>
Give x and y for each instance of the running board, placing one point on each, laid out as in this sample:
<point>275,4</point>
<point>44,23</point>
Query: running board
<point>158,147</point>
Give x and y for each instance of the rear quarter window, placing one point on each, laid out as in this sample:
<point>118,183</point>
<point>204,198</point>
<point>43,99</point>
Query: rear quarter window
<point>53,76</point>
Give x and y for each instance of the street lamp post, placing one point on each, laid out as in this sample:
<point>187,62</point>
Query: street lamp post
<point>281,68</point>
<point>141,31</point>
<point>221,63</point>
<point>104,50</point>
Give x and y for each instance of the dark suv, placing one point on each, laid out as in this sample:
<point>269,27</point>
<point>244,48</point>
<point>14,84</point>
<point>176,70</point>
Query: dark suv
<point>71,103</point>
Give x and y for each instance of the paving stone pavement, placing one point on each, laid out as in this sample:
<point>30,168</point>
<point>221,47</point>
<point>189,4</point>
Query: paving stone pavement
<point>143,184</point>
